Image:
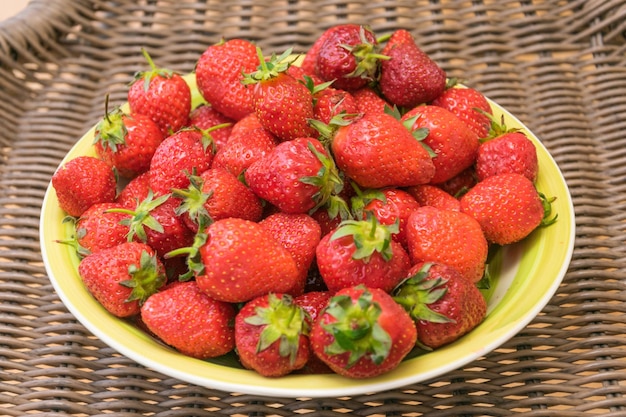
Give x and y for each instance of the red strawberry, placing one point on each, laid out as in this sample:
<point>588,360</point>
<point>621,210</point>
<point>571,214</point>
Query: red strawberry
<point>188,151</point>
<point>431,195</point>
<point>507,206</point>
<point>463,102</point>
<point>122,277</point>
<point>98,229</point>
<point>450,237</point>
<point>127,143</point>
<point>363,333</point>
<point>443,304</point>
<point>82,182</point>
<point>368,100</point>
<point>361,252</point>
<point>135,191</point>
<point>162,95</point>
<point>300,235</point>
<point>390,206</point>
<point>506,151</point>
<point>216,194</point>
<point>330,102</point>
<point>310,59</point>
<point>184,317</point>
<point>242,261</point>
<point>454,144</point>
<point>248,141</point>
<point>313,303</point>
<point>271,334</point>
<point>205,117</point>
<point>219,72</point>
<point>409,76</point>
<point>349,56</point>
<point>296,176</point>
<point>376,150</point>
<point>282,104</point>
<point>460,183</point>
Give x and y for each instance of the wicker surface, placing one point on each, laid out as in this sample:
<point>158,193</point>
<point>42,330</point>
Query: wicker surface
<point>559,65</point>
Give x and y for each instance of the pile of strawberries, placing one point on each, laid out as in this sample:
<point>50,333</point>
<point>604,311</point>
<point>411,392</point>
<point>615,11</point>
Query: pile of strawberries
<point>328,215</point>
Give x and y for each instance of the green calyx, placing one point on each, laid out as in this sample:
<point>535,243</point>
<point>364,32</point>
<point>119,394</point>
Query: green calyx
<point>111,131</point>
<point>367,57</point>
<point>81,251</point>
<point>364,197</point>
<point>327,180</point>
<point>154,71</point>
<point>416,292</point>
<point>546,202</point>
<point>418,134</point>
<point>327,131</point>
<point>496,127</point>
<point>141,217</point>
<point>194,201</point>
<point>369,236</point>
<point>271,67</point>
<point>284,322</point>
<point>195,266</point>
<point>146,278</point>
<point>356,329</point>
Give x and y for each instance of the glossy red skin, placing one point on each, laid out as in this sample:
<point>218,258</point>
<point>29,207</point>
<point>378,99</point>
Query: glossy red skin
<point>205,117</point>
<point>141,141</point>
<point>176,157</point>
<point>284,106</point>
<point>184,317</point>
<point>330,102</point>
<point>267,362</point>
<point>335,62</point>
<point>449,137</point>
<point>463,303</point>
<point>449,237</point>
<point>300,234</point>
<point>398,207</point>
<point>410,77</point>
<point>314,302</point>
<point>102,273</point>
<point>309,60</point>
<point>507,206</point>
<point>393,319</point>
<point>339,270</point>
<point>219,72</point>
<point>134,191</point>
<point>175,233</point>
<point>276,177</point>
<point>229,197</point>
<point>82,182</point>
<point>377,151</point>
<point>463,102</point>
<point>432,195</point>
<point>511,152</point>
<point>242,261</point>
<point>97,229</point>
<point>167,101</point>
<point>368,100</point>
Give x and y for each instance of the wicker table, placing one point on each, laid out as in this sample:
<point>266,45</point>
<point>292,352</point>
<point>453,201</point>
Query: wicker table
<point>560,66</point>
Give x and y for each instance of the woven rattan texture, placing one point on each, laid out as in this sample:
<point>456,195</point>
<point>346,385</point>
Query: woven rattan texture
<point>559,65</point>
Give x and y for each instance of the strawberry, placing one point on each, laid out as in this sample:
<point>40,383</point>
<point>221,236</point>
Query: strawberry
<point>469,105</point>
<point>313,303</point>
<point>460,183</point>
<point>361,252</point>
<point>240,260</point>
<point>349,56</point>
<point>127,143</point>
<point>122,277</point>
<point>271,335</point>
<point>367,100</point>
<point>443,304</point>
<point>98,228</point>
<point>216,194</point>
<point>431,195</point>
<point>82,182</point>
<point>188,151</point>
<point>298,233</point>
<point>248,141</point>
<point>330,102</point>
<point>409,76</point>
<point>136,190</point>
<point>362,333</point>
<point>309,61</point>
<point>507,207</point>
<point>162,95</point>
<point>282,104</point>
<point>389,206</point>
<point>184,317</point>
<point>454,144</point>
<point>296,176</point>
<point>219,72</point>
<point>205,117</point>
<point>376,150</point>
<point>450,237</point>
<point>506,151</point>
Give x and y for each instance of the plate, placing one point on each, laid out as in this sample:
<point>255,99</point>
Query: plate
<point>526,276</point>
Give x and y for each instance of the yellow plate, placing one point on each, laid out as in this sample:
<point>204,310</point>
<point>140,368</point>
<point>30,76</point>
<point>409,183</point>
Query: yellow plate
<point>527,275</point>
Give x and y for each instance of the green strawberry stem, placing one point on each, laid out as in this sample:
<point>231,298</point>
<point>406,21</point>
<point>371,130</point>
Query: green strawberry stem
<point>111,131</point>
<point>271,68</point>
<point>328,181</point>
<point>284,322</point>
<point>154,71</point>
<point>547,210</point>
<point>141,217</point>
<point>195,266</point>
<point>356,329</point>
<point>146,278</point>
<point>369,236</point>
